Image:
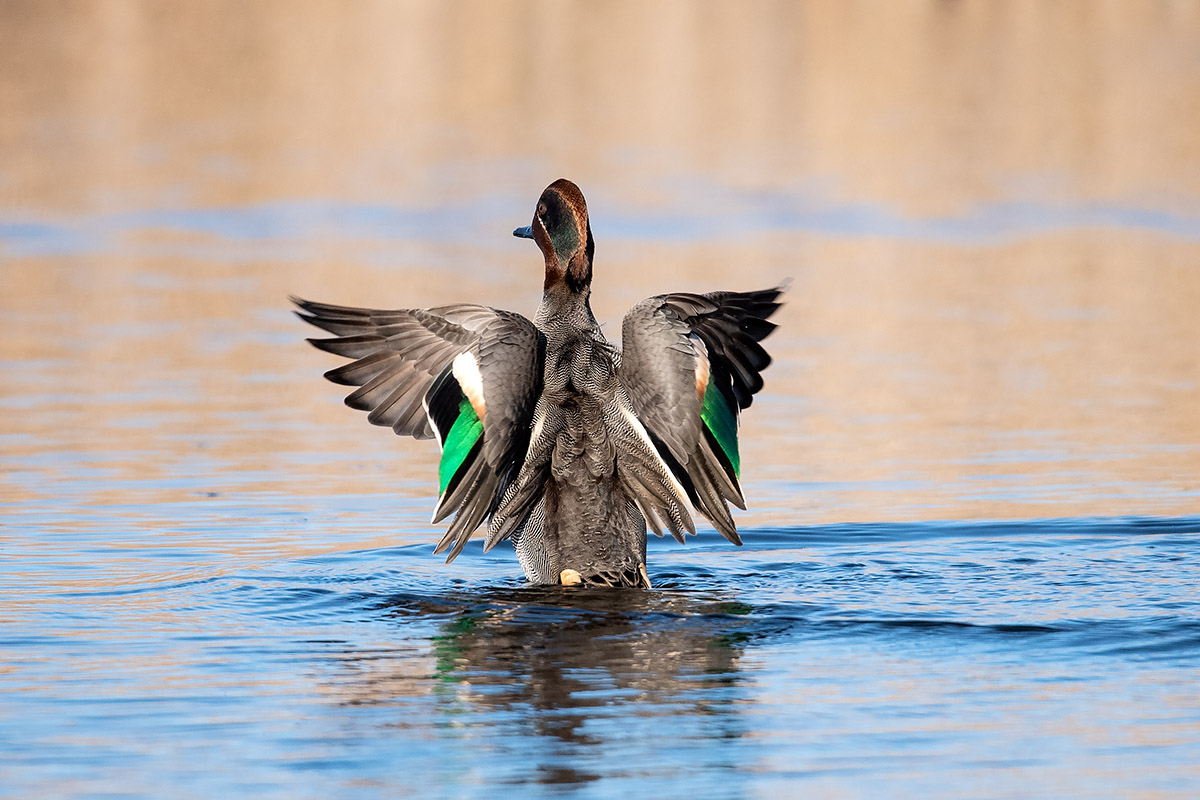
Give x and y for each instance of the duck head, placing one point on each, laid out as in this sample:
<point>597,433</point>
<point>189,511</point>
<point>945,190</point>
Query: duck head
<point>561,229</point>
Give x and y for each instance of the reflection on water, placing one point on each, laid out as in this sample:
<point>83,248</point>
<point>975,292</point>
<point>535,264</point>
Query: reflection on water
<point>925,107</point>
<point>940,656</point>
<point>988,213</point>
<point>218,579</point>
<point>563,679</point>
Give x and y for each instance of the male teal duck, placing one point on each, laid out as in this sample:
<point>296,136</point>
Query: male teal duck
<point>563,443</point>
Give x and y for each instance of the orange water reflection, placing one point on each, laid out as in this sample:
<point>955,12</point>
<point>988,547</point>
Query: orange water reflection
<point>990,214</point>
<point>1043,372</point>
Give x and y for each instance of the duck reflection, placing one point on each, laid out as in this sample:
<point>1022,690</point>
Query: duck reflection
<point>576,673</point>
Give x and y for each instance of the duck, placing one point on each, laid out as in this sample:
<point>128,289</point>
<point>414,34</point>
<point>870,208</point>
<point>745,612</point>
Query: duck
<point>564,444</point>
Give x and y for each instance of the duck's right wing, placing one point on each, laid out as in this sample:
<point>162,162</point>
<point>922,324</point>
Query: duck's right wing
<point>469,375</point>
<point>690,363</point>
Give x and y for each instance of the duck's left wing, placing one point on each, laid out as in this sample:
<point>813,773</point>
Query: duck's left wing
<point>469,375</point>
<point>690,363</point>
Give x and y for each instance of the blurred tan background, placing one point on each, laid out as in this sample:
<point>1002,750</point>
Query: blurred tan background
<point>990,212</point>
<point>928,107</point>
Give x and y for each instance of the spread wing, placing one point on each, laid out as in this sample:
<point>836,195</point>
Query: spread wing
<point>467,374</point>
<point>690,363</point>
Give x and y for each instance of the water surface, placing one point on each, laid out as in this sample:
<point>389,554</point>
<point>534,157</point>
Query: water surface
<point>971,563</point>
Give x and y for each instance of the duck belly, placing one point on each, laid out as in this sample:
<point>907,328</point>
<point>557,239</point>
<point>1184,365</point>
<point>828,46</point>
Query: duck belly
<point>586,529</point>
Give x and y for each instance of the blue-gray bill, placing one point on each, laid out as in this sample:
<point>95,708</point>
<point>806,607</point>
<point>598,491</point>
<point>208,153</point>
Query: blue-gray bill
<point>524,233</point>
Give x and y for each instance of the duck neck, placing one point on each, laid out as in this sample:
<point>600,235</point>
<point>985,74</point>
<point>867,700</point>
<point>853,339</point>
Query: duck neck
<point>574,273</point>
<point>563,306</point>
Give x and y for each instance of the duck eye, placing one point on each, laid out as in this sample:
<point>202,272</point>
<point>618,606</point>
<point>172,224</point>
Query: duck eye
<point>542,209</point>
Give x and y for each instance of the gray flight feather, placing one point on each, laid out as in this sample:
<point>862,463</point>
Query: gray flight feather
<point>399,354</point>
<point>671,344</point>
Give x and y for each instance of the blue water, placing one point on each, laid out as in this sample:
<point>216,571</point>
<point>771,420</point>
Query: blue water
<point>972,545</point>
<point>218,582</point>
<point>1055,658</point>
<point>282,229</point>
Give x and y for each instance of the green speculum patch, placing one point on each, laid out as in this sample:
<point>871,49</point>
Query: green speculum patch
<point>721,422</point>
<point>463,434</point>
